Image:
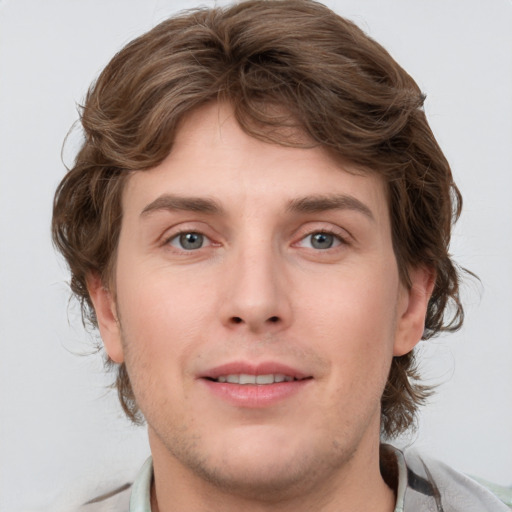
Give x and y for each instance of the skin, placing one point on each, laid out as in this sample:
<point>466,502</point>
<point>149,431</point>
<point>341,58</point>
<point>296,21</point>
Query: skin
<point>260,288</point>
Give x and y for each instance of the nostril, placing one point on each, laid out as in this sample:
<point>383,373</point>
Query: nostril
<point>239,320</point>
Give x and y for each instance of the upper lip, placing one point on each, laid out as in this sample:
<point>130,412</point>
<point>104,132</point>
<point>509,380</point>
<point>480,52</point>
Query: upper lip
<point>263,368</point>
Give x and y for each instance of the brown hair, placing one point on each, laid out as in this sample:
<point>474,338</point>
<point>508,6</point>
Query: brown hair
<point>328,79</point>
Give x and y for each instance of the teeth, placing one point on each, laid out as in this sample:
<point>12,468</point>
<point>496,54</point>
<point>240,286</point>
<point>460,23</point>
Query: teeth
<point>247,379</point>
<point>244,378</point>
<point>265,379</point>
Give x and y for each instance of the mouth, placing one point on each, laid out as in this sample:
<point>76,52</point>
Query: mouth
<point>260,380</point>
<point>255,386</point>
<point>261,374</point>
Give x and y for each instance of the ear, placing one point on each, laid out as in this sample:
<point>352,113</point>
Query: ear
<point>108,323</point>
<point>412,309</point>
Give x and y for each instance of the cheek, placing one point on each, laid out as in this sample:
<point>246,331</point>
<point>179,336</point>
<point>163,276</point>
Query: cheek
<point>359,306</point>
<point>159,334</point>
<point>157,297</point>
<point>353,320</point>
<point>162,318</point>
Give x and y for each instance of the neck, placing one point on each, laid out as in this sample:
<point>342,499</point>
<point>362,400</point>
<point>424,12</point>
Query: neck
<point>357,486</point>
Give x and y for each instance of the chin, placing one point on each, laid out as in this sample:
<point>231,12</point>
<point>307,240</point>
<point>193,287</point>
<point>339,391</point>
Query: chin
<point>262,465</point>
<point>267,481</point>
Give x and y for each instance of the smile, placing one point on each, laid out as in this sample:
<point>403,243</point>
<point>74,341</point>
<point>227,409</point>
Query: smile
<point>255,385</point>
<point>244,378</point>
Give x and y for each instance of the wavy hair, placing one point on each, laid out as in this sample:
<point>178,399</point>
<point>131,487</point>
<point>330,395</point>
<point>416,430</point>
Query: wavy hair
<point>283,65</point>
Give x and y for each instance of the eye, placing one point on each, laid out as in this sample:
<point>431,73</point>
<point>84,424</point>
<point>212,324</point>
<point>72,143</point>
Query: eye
<point>321,240</point>
<point>189,241</point>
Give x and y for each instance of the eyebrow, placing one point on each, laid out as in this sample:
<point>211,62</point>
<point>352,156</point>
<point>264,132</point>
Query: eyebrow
<point>307,204</point>
<point>317,204</point>
<point>174,203</point>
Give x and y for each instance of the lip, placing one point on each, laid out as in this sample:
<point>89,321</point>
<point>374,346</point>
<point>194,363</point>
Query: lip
<point>263,368</point>
<point>255,396</point>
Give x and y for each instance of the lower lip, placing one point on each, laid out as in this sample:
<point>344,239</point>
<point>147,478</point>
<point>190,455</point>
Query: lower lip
<point>254,395</point>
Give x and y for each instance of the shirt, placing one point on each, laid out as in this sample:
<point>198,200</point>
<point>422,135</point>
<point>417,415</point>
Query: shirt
<point>423,485</point>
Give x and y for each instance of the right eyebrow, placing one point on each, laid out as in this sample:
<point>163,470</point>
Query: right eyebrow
<point>322,203</point>
<point>173,203</point>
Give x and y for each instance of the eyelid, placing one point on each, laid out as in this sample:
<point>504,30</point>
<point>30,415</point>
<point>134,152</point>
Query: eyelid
<point>339,240</point>
<point>173,232</point>
<point>207,242</point>
<point>312,228</point>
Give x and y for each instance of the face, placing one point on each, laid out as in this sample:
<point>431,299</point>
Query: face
<point>257,307</point>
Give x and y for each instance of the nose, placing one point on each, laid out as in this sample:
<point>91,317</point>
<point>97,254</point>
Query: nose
<point>256,292</point>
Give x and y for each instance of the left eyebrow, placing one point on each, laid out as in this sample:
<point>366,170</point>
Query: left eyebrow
<point>171,202</point>
<point>317,204</point>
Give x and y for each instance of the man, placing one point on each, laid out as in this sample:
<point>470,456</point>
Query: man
<point>258,223</point>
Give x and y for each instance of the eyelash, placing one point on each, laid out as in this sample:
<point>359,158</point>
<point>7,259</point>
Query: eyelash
<point>179,234</point>
<point>341,240</point>
<point>338,240</point>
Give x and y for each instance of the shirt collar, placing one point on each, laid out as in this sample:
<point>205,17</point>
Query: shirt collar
<point>140,500</point>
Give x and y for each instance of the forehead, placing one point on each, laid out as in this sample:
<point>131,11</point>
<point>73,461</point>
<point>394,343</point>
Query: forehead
<point>213,157</point>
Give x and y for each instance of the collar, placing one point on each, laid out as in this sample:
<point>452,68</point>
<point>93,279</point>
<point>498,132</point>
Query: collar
<point>140,500</point>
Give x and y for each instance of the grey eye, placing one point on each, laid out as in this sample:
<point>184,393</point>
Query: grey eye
<point>188,241</point>
<point>322,240</point>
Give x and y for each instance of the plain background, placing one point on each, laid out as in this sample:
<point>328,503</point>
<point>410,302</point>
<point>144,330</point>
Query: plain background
<point>63,438</point>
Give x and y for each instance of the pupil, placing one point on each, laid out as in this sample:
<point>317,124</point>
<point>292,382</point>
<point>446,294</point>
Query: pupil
<point>322,241</point>
<point>191,241</point>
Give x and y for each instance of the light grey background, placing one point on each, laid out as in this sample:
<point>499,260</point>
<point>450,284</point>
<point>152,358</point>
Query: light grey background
<point>63,438</point>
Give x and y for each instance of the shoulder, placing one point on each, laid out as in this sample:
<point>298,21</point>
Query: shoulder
<point>432,485</point>
<point>117,500</point>
<point>129,497</point>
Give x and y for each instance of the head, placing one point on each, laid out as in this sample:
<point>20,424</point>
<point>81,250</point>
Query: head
<point>294,75</point>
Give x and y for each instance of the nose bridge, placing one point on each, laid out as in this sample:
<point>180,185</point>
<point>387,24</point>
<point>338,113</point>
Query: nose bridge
<point>256,295</point>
